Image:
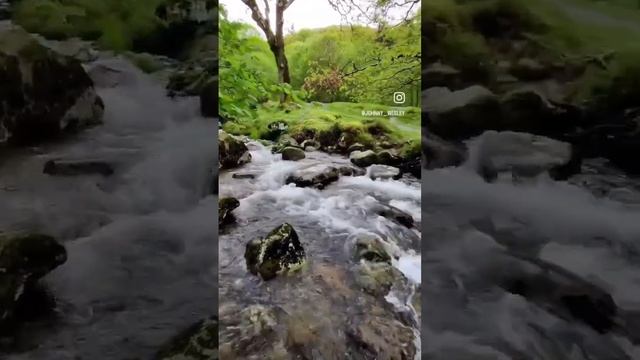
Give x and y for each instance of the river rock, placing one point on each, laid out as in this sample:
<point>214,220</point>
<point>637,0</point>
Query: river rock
<point>248,331</point>
<point>461,114</point>
<point>232,152</point>
<point>310,144</point>
<point>528,69</point>
<point>363,158</point>
<point>382,337</point>
<point>382,172</point>
<point>279,252</point>
<point>198,342</point>
<point>318,176</point>
<point>376,278</point>
<point>351,171</point>
<point>77,167</point>
<point>356,147</point>
<point>438,74</point>
<point>209,99</point>
<point>388,157</point>
<point>284,141</point>
<point>24,258</point>
<point>526,109</point>
<point>439,153</point>
<point>521,154</point>
<point>371,248</point>
<point>292,153</point>
<point>395,214</point>
<point>563,293</point>
<point>45,94</point>
<point>225,208</point>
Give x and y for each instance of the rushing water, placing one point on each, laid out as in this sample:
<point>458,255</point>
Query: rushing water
<point>589,226</point>
<point>327,222</point>
<point>141,260</point>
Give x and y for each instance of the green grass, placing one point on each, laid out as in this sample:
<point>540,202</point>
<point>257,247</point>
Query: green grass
<point>320,118</point>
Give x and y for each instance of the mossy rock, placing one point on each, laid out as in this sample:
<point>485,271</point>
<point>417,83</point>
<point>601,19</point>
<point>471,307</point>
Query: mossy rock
<point>198,342</point>
<point>45,94</point>
<point>279,252</point>
<point>24,258</point>
<point>232,152</point>
<point>225,208</point>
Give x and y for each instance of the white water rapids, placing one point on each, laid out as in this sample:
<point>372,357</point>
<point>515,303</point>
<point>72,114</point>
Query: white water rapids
<point>467,223</point>
<point>141,244</point>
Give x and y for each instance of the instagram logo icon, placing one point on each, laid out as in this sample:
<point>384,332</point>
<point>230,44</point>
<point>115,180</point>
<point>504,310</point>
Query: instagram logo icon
<point>399,97</point>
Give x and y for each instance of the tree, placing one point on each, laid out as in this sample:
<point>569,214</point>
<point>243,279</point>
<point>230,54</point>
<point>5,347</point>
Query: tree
<point>274,39</point>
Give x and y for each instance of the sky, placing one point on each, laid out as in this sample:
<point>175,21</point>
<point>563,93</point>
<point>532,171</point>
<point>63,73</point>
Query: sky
<point>302,14</point>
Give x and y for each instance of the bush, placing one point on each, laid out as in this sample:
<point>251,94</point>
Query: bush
<point>618,87</point>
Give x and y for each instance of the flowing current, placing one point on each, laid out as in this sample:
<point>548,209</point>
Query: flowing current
<point>588,225</point>
<point>327,222</point>
<point>141,243</point>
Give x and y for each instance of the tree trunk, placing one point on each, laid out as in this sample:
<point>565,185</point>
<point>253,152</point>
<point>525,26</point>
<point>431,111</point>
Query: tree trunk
<point>275,41</point>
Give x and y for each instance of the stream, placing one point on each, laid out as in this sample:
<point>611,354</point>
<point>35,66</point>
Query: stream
<point>327,221</point>
<point>141,265</point>
<point>588,225</point>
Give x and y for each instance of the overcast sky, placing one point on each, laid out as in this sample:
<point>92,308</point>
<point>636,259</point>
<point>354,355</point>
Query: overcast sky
<point>302,14</point>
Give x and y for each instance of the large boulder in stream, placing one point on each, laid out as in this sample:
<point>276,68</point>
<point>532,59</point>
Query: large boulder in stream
<point>317,176</point>
<point>381,337</point>
<point>24,258</point>
<point>279,252</point>
<point>44,94</point>
<point>232,152</point>
<point>523,155</point>
<point>439,153</point>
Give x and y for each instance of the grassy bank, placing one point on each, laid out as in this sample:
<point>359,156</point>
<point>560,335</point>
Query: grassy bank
<point>317,118</point>
<point>601,39</point>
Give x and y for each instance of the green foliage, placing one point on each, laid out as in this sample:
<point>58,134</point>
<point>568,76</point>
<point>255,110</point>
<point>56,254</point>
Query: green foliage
<point>619,86</point>
<point>247,71</point>
<point>114,23</point>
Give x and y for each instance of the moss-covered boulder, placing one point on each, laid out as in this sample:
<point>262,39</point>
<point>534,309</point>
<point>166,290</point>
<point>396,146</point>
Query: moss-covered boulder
<point>24,258</point>
<point>376,278</point>
<point>279,252</point>
<point>225,210</point>
<point>232,152</point>
<point>44,94</point>
<point>198,342</point>
<point>363,158</point>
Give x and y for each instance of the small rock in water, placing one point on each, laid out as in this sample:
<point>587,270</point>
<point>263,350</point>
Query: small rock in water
<point>225,208</point>
<point>292,153</point>
<point>351,171</point>
<point>388,157</point>
<point>382,172</point>
<point>243,176</point>
<point>363,158</point>
<point>74,168</point>
<point>310,143</point>
<point>318,176</point>
<point>279,252</point>
<point>355,147</point>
